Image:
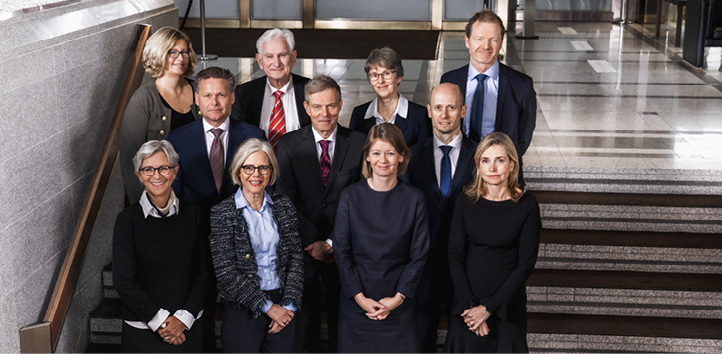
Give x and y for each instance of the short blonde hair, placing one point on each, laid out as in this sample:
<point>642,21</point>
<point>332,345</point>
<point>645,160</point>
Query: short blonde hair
<point>156,50</point>
<point>391,134</point>
<point>478,187</point>
<point>247,149</point>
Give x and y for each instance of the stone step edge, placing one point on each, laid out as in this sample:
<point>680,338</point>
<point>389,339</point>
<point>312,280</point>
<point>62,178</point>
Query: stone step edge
<point>625,280</point>
<point>627,199</point>
<point>631,238</point>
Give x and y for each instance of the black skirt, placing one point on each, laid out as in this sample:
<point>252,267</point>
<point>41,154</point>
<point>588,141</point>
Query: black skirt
<point>459,339</point>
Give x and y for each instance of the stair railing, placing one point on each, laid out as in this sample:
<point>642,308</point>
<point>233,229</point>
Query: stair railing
<point>43,337</point>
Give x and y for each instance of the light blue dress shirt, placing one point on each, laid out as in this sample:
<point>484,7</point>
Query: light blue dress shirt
<point>263,232</point>
<point>491,94</point>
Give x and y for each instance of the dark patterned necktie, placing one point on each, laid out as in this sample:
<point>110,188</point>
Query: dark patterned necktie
<point>325,161</point>
<point>216,157</point>
<point>477,110</point>
<point>445,180</point>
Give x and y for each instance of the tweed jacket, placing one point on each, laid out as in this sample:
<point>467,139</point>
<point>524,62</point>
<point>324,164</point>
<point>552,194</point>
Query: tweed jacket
<point>146,118</point>
<point>235,262</point>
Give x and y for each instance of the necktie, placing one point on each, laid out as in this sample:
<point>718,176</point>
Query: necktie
<point>325,161</point>
<point>216,157</point>
<point>477,109</point>
<point>277,125</point>
<point>445,172</point>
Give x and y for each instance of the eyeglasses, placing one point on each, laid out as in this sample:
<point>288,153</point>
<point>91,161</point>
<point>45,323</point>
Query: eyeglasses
<point>174,53</point>
<point>387,75</point>
<point>150,171</point>
<point>250,169</point>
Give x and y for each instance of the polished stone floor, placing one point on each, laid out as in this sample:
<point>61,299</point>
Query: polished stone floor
<point>609,97</point>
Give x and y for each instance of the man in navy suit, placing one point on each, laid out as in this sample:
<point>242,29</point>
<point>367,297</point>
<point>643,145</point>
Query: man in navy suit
<point>256,99</point>
<point>205,149</point>
<point>497,97</point>
<point>441,166</point>
<point>196,181</point>
<point>316,163</point>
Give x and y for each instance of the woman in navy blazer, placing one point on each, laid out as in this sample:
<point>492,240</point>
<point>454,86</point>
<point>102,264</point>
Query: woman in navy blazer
<point>385,72</point>
<point>257,256</point>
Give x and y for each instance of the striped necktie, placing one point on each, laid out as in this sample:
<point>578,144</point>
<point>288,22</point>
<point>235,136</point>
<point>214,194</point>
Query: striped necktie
<point>277,125</point>
<point>216,157</point>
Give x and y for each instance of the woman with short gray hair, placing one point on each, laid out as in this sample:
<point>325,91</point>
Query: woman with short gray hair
<point>385,72</point>
<point>257,256</point>
<point>160,260</point>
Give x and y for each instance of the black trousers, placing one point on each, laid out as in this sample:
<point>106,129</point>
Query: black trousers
<point>324,287</point>
<point>242,333</point>
<point>135,340</point>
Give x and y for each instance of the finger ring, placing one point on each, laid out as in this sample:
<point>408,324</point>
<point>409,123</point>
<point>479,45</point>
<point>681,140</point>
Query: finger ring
<point>167,338</point>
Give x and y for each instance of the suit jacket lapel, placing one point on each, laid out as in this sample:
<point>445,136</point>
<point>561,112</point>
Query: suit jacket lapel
<point>339,155</point>
<point>257,101</point>
<point>198,138</point>
<point>466,158</point>
<point>402,123</point>
<point>308,148</point>
<point>298,88</point>
<point>428,161</point>
<point>503,88</point>
<point>368,124</point>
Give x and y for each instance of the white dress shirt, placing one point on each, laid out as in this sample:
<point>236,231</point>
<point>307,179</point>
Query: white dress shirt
<point>491,93</point>
<point>210,137</point>
<point>402,110</point>
<point>288,99</point>
<point>453,156</point>
<point>184,316</point>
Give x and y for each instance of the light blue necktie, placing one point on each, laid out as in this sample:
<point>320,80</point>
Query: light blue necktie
<point>477,109</point>
<point>445,171</point>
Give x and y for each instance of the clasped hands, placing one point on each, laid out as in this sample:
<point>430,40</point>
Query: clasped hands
<point>171,330</point>
<point>475,318</point>
<point>378,310</point>
<point>320,251</point>
<point>280,318</point>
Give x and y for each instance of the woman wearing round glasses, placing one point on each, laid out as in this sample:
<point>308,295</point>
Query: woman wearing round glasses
<point>385,72</point>
<point>257,256</point>
<point>160,260</point>
<point>160,106</point>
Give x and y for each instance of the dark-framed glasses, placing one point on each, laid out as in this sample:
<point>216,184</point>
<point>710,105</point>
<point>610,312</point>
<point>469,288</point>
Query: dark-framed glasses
<point>150,171</point>
<point>250,169</point>
<point>174,53</point>
<point>387,75</point>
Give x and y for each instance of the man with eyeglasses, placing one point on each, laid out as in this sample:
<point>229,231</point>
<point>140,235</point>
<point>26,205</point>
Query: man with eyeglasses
<point>498,98</point>
<point>273,102</point>
<point>316,163</point>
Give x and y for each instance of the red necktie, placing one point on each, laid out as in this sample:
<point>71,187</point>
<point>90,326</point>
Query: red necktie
<point>216,157</point>
<point>325,161</point>
<point>277,125</point>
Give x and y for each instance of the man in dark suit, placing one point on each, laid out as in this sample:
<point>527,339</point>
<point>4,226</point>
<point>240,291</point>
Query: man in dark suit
<point>205,149</point>
<point>273,102</point>
<point>316,163</point>
<point>198,181</point>
<point>498,98</point>
<point>441,166</point>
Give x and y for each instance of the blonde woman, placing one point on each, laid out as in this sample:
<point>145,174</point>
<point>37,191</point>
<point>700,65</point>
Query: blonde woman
<point>493,247</point>
<point>160,106</point>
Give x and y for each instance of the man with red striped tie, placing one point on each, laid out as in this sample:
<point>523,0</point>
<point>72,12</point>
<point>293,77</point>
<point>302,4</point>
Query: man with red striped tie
<point>316,162</point>
<point>273,102</point>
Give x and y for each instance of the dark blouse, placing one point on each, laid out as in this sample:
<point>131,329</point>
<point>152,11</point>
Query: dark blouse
<point>178,119</point>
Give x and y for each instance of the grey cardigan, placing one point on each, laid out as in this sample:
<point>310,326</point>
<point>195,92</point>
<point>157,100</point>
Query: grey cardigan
<point>145,118</point>
<point>235,262</point>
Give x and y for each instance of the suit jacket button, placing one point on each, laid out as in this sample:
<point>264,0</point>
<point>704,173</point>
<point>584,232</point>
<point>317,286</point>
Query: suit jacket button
<point>283,269</point>
<point>162,132</point>
<point>323,205</point>
<point>164,118</point>
<point>250,275</point>
<point>248,256</point>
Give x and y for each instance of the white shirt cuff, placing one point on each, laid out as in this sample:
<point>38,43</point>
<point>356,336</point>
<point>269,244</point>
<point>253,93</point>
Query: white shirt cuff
<point>290,307</point>
<point>185,317</point>
<point>329,241</point>
<point>158,319</point>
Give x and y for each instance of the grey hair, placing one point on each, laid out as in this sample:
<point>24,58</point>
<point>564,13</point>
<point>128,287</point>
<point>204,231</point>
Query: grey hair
<point>274,33</point>
<point>247,149</point>
<point>151,147</point>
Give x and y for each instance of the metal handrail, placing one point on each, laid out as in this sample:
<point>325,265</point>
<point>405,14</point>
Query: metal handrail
<point>43,337</point>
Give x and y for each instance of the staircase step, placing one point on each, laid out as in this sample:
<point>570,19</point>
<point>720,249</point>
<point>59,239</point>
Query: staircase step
<point>632,239</point>
<point>630,199</point>
<point>581,343</point>
<point>626,280</point>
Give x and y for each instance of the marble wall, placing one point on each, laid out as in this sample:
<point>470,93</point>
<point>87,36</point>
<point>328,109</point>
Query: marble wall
<point>62,71</point>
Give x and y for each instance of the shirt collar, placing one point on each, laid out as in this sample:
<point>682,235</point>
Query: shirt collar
<point>149,210</point>
<point>207,126</point>
<point>492,72</point>
<point>454,143</point>
<point>402,108</point>
<point>317,137</point>
<point>270,89</point>
<point>241,201</point>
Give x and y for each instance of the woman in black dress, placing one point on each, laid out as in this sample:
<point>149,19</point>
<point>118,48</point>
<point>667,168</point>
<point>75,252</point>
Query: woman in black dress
<point>493,247</point>
<point>160,260</point>
<point>380,241</point>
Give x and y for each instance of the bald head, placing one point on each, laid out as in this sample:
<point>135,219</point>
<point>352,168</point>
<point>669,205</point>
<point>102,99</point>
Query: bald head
<point>446,108</point>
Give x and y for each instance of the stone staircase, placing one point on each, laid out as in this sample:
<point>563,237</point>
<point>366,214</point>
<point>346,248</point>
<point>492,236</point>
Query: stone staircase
<point>617,271</point>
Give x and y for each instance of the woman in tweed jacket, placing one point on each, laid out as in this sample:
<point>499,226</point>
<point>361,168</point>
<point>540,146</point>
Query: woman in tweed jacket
<point>257,256</point>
